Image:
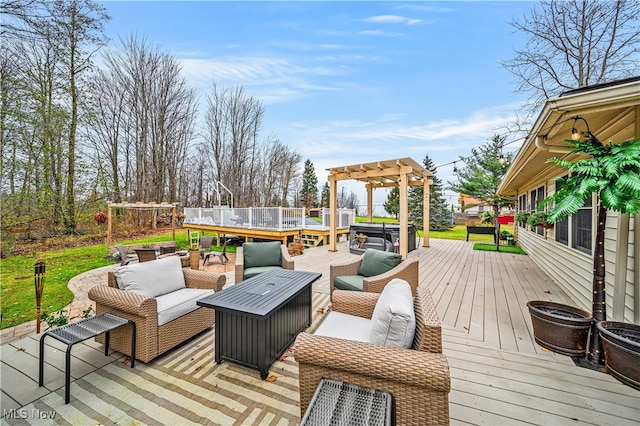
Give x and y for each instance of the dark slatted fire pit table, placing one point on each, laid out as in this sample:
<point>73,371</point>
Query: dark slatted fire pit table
<point>80,331</point>
<point>259,318</point>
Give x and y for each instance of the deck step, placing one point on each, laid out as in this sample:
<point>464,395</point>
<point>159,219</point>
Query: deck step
<point>309,240</point>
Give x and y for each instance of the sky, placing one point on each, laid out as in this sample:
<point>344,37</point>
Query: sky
<point>349,82</point>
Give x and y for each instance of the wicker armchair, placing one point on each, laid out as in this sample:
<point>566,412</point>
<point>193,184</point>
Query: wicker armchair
<point>418,378</point>
<point>286,262</point>
<point>152,339</point>
<point>406,270</point>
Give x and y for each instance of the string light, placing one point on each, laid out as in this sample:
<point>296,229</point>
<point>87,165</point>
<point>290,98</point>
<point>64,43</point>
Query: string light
<point>575,134</point>
<point>519,140</point>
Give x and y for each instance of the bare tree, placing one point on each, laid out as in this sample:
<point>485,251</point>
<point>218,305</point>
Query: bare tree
<point>76,25</point>
<point>18,18</point>
<point>144,121</point>
<point>232,125</point>
<point>575,43</point>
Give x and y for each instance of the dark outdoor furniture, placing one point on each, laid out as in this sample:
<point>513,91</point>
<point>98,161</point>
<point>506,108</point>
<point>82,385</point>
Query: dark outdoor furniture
<point>336,402</point>
<point>380,236</point>
<point>222,256</point>
<point>259,318</point>
<point>167,249</point>
<point>125,257</point>
<point>482,230</point>
<point>145,255</point>
<point>80,331</point>
<point>205,245</point>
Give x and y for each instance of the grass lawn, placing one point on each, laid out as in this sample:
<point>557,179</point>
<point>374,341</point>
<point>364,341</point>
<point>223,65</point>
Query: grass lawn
<point>502,248</point>
<point>17,290</point>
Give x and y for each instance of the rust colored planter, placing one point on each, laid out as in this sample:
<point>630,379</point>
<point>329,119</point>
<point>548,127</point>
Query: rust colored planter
<point>194,260</point>
<point>621,343</point>
<point>560,328</point>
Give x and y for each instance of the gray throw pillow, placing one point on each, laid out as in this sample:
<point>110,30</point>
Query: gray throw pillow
<point>151,279</point>
<point>393,322</point>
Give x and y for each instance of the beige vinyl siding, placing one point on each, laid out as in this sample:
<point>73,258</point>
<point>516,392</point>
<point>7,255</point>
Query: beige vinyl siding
<point>569,268</point>
<point>610,258</point>
<point>573,269</point>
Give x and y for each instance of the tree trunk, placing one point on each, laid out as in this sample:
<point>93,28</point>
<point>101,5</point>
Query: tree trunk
<point>599,307</point>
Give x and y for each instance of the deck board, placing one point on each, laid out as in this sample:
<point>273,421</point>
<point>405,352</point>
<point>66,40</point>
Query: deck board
<point>499,374</point>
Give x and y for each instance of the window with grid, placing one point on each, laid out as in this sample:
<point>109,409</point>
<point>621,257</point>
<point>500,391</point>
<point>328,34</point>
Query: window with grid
<point>522,207</point>
<point>562,226</point>
<point>537,195</point>
<point>582,224</point>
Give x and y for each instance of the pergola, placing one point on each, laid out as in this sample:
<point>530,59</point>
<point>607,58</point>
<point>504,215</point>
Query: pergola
<point>142,206</point>
<point>402,172</point>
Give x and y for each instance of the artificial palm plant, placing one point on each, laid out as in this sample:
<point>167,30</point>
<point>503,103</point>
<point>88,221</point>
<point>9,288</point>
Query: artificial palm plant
<point>612,172</point>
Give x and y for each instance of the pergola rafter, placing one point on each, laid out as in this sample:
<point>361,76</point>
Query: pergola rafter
<point>401,172</point>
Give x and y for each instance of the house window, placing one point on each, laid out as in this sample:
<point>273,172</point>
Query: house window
<point>537,195</point>
<point>581,224</point>
<point>522,207</point>
<point>562,226</point>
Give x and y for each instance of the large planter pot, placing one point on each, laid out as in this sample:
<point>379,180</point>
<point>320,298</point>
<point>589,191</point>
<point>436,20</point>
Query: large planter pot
<point>194,260</point>
<point>621,343</point>
<point>560,328</point>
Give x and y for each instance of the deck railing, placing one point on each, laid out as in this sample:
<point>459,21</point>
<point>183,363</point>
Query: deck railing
<point>266,218</point>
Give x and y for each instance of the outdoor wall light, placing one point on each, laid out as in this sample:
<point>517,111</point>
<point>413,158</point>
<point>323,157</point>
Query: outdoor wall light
<point>575,134</point>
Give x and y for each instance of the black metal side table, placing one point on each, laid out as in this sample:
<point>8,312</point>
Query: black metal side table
<point>338,403</point>
<point>80,331</point>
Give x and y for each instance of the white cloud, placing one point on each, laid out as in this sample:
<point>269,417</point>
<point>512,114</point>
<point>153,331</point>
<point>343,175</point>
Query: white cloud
<point>273,79</point>
<point>392,19</point>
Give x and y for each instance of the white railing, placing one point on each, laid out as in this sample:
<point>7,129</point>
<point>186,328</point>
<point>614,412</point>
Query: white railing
<point>266,218</point>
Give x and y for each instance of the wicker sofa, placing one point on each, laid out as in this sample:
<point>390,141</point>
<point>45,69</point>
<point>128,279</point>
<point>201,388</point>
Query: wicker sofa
<point>154,339</point>
<point>418,378</point>
<point>406,270</point>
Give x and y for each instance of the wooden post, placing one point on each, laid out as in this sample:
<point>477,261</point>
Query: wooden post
<point>108,227</point>
<point>404,212</point>
<point>426,213</point>
<point>369,202</point>
<point>38,280</point>
<point>333,213</point>
<point>173,223</point>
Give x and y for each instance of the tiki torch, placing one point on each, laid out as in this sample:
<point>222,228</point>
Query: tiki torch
<point>38,280</point>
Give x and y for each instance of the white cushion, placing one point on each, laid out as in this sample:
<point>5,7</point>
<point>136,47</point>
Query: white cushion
<point>178,303</point>
<point>151,279</point>
<point>393,322</point>
<point>344,326</point>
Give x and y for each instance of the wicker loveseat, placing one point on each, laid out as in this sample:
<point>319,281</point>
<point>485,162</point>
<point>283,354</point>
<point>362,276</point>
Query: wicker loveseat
<point>351,273</point>
<point>154,339</point>
<point>418,378</point>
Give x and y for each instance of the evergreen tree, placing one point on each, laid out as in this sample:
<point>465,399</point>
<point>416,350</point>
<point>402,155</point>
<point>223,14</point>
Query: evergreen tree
<point>482,174</point>
<point>325,195</point>
<point>392,205</point>
<point>309,193</point>
<point>439,213</point>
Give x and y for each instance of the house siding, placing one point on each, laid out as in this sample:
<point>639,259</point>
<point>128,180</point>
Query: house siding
<point>572,269</point>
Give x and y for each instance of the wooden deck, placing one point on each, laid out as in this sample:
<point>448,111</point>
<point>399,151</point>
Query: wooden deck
<point>500,376</point>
